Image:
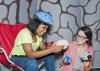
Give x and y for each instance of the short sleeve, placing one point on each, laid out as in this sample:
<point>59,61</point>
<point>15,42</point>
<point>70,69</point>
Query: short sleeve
<point>24,36</point>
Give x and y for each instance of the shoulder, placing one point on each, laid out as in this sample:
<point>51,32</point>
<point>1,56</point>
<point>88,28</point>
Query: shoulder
<point>72,43</point>
<point>24,31</point>
<point>24,36</point>
<point>90,48</point>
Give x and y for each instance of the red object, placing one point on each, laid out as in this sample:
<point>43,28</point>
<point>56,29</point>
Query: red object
<point>8,34</point>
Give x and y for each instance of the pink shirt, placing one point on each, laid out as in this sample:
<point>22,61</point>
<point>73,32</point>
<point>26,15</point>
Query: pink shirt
<point>72,51</point>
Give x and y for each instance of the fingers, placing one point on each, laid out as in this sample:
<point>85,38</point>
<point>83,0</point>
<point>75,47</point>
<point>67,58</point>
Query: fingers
<point>58,49</point>
<point>55,48</point>
<point>86,64</point>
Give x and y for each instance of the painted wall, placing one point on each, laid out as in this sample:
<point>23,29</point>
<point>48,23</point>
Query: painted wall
<point>68,16</point>
<point>17,11</point>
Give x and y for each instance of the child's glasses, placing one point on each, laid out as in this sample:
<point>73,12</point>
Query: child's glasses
<point>81,37</point>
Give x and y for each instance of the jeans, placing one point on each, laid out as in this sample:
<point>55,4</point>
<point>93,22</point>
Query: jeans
<point>31,64</point>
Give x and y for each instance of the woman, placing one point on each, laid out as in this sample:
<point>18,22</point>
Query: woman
<point>29,46</point>
<point>78,48</point>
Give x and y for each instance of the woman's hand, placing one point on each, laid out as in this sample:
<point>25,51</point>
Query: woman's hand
<point>54,48</point>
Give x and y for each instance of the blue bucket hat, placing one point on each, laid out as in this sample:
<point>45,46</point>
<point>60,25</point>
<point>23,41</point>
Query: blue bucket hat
<point>44,17</point>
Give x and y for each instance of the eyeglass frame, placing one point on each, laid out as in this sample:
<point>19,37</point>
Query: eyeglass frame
<point>81,36</point>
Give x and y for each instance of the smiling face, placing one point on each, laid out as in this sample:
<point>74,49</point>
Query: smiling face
<point>41,29</point>
<point>81,37</point>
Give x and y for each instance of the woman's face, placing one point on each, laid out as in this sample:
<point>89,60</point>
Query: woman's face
<point>81,37</point>
<point>41,29</point>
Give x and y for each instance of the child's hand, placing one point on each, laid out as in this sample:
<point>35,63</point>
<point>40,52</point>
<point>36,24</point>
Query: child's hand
<point>64,63</point>
<point>85,57</point>
<point>86,64</point>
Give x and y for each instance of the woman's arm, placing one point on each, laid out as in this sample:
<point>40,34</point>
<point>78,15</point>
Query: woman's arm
<point>44,45</point>
<point>35,54</point>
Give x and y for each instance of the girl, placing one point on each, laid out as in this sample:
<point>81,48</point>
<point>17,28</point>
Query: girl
<point>81,45</point>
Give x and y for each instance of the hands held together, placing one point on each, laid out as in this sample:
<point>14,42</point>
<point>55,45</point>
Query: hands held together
<point>58,46</point>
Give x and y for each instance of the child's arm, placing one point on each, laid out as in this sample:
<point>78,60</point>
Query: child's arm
<point>88,64</point>
<point>66,57</point>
